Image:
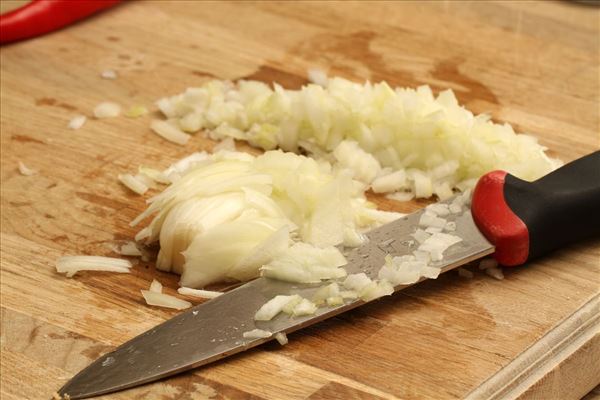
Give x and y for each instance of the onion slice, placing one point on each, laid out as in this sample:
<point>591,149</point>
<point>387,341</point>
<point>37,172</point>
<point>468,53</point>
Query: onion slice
<point>70,265</point>
<point>164,300</point>
<point>203,294</point>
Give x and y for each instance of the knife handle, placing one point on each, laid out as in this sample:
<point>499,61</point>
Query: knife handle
<point>525,220</point>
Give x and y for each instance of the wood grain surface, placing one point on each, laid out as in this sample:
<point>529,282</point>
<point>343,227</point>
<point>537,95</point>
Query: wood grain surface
<point>534,65</point>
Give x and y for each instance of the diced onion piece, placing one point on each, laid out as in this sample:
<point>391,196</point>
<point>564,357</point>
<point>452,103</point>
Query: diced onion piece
<point>133,184</point>
<point>431,220</point>
<point>77,121</point>
<point>401,270</point>
<point>156,286</point>
<point>401,196</point>
<point>305,307</point>
<point>334,301</point>
<point>24,170</point>
<point>488,263</point>
<point>450,226</point>
<point>439,209</point>
<point>455,208</point>
<point>357,282</point>
<point>281,337</point>
<point>204,294</point>
<point>420,235</point>
<point>390,183</point>
<point>164,300</point>
<point>107,110</point>
<point>376,289</point>
<point>109,74</point>
<point>294,301</point>
<point>465,273</point>
<point>438,243</point>
<point>130,249</point>
<point>70,265</point>
<point>227,144</point>
<point>495,273</point>
<point>136,111</point>
<point>325,292</point>
<point>430,272</point>
<point>257,334</point>
<point>169,132</point>
<point>155,175</point>
<point>272,307</point>
<point>423,185</point>
<point>318,76</point>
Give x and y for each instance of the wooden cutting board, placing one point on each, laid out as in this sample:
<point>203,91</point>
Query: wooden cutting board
<point>534,334</point>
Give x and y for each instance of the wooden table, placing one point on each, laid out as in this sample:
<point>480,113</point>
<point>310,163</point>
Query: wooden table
<point>534,65</point>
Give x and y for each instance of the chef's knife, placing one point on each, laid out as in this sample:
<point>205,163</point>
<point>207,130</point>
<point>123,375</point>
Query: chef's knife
<point>513,219</point>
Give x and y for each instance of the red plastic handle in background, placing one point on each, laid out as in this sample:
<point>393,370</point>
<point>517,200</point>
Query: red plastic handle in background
<point>498,223</point>
<point>43,16</point>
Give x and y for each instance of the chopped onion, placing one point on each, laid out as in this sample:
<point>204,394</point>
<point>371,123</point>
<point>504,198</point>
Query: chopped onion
<point>429,219</point>
<point>24,170</point>
<point>133,184</point>
<point>204,294</point>
<point>155,175</point>
<point>305,307</point>
<point>70,265</point>
<point>376,289</point>
<point>440,144</point>
<point>305,263</point>
<point>257,206</point>
<point>107,110</point>
<point>439,209</point>
<point>169,132</point>
<point>77,122</point>
<point>130,249</point>
<point>325,292</point>
<point>318,76</point>
<point>136,111</point>
<point>156,286</point>
<point>438,243</point>
<point>392,182</point>
<point>420,235</point>
<point>401,196</point>
<point>258,334</point>
<point>164,300</point>
<point>357,282</point>
<point>273,307</point>
<point>109,74</point>
<point>401,270</point>
<point>281,337</point>
<point>225,144</point>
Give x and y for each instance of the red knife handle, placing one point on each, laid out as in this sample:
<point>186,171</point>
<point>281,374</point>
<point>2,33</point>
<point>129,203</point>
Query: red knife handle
<point>525,220</point>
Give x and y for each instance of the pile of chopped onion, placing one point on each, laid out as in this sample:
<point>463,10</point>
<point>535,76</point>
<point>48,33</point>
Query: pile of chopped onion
<point>228,214</point>
<point>438,145</point>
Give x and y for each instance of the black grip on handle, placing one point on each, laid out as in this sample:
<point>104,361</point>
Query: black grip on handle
<point>559,208</point>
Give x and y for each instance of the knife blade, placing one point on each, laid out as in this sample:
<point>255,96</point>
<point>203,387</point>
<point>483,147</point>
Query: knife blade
<point>508,217</point>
